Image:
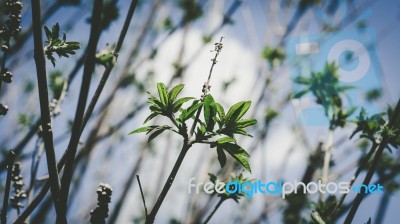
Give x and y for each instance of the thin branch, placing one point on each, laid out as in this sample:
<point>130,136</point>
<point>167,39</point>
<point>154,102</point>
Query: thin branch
<point>44,103</point>
<point>108,69</point>
<point>88,69</point>
<point>3,65</point>
<point>141,192</point>
<point>10,159</point>
<point>362,165</point>
<point>128,185</point>
<point>36,156</point>
<point>18,148</point>
<point>150,218</point>
<point>206,87</point>
<point>214,210</point>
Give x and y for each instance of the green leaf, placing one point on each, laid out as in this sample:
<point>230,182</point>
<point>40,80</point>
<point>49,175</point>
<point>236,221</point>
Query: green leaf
<point>301,93</point>
<point>174,92</point>
<point>344,88</point>
<point>48,33</point>
<point>243,123</point>
<point>316,218</point>
<point>237,111</point>
<point>209,112</point>
<point>221,156</point>
<point>238,154</point>
<point>55,30</point>
<point>143,129</point>
<point>155,134</point>
<point>158,131</point>
<point>189,112</point>
<point>213,178</point>
<point>225,140</point>
<point>162,91</point>
<point>219,109</point>
<point>242,132</point>
<point>177,105</point>
<point>155,109</point>
<point>155,102</point>
<point>302,80</point>
<point>151,116</point>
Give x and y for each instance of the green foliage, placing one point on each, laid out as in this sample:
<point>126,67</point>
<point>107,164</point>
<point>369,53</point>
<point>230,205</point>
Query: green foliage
<point>229,145</point>
<point>56,83</point>
<point>270,115</point>
<point>273,55</point>
<point>327,90</point>
<point>373,94</point>
<point>155,130</point>
<point>316,218</point>
<point>26,120</point>
<point>323,210</point>
<point>167,23</point>
<point>370,127</point>
<point>192,10</point>
<point>224,196</point>
<point>106,57</point>
<point>59,46</point>
<point>109,14</point>
<point>376,126</point>
<point>230,124</point>
<point>166,104</point>
<point>206,39</point>
<point>29,86</point>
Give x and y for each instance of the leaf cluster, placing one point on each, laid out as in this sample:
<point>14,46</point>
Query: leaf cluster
<point>326,88</point>
<point>106,57</point>
<point>192,10</point>
<point>215,127</point>
<point>56,83</point>
<point>323,211</point>
<point>273,55</point>
<point>376,126</point>
<point>59,46</point>
<point>236,196</point>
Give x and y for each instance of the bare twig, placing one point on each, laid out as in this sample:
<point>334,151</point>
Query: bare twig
<point>150,218</point>
<point>44,103</point>
<point>36,156</point>
<point>3,65</point>
<point>88,69</point>
<point>108,70</point>
<point>362,165</point>
<point>141,192</point>
<point>214,210</point>
<point>207,86</point>
<point>128,184</point>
